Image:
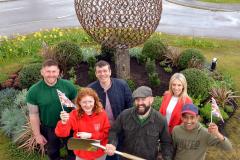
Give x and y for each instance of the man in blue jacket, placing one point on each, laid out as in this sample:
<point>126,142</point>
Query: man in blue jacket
<point>114,93</point>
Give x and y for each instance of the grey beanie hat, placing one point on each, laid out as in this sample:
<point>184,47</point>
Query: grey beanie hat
<point>142,92</point>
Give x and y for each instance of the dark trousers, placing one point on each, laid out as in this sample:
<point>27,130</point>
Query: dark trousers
<point>54,144</point>
<point>114,157</point>
<point>119,148</point>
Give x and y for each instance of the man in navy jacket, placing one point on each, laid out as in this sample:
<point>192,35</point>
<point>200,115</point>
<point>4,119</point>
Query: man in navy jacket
<point>114,93</point>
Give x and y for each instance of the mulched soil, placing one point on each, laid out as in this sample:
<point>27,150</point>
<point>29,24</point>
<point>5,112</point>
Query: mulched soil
<point>138,75</point>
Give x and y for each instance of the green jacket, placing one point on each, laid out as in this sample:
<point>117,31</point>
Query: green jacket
<point>142,139</point>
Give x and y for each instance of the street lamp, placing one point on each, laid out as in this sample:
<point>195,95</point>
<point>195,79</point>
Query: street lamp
<point>213,64</point>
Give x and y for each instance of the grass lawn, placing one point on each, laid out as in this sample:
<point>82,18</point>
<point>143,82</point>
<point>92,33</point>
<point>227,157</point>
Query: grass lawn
<point>8,151</point>
<point>13,65</point>
<point>221,1</point>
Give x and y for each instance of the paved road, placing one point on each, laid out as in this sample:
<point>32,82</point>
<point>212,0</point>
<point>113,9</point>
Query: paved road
<point>24,16</point>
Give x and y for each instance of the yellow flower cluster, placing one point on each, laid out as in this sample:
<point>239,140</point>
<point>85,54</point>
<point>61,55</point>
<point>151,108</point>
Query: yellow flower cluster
<point>55,29</point>
<point>37,34</point>
<point>5,38</point>
<point>21,38</point>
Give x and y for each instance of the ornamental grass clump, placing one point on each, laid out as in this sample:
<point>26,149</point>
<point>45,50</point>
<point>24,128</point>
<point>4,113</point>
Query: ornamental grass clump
<point>25,139</point>
<point>223,96</point>
<point>7,97</point>
<point>172,56</point>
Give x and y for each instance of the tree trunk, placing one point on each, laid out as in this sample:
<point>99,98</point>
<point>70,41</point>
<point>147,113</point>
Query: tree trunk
<point>122,63</point>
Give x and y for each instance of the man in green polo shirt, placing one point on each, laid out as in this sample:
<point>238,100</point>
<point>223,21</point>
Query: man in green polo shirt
<point>45,107</point>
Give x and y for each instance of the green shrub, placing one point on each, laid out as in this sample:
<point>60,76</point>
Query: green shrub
<point>157,102</point>
<point>88,52</point>
<point>67,54</point>
<point>92,61</point>
<point>153,79</point>
<point>136,52</point>
<point>107,53</point>
<point>91,74</point>
<point>205,113</point>
<point>228,81</point>
<point>73,78</point>
<point>228,109</point>
<point>197,100</point>
<point>168,69</point>
<point>141,59</point>
<point>131,84</point>
<point>154,49</point>
<point>72,75</point>
<point>7,97</point>
<point>29,75</point>
<point>162,64</point>
<point>188,55</point>
<point>150,66</point>
<point>198,82</point>
<point>221,79</point>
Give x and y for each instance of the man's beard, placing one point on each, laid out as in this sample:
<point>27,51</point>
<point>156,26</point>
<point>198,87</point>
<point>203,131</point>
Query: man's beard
<point>140,111</point>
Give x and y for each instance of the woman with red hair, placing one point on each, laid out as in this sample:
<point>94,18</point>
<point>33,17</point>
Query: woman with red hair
<point>88,121</point>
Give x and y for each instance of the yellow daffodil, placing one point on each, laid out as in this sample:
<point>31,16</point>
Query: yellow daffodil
<point>60,34</point>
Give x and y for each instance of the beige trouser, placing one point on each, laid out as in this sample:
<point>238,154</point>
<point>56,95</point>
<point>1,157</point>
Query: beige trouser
<point>100,158</point>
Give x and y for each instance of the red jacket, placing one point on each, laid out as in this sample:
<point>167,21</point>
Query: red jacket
<point>97,124</point>
<point>176,114</point>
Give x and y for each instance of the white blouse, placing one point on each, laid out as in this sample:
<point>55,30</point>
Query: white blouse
<point>170,107</point>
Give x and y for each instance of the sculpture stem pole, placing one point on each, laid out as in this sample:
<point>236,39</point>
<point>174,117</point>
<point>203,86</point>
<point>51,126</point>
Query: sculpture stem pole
<point>122,63</point>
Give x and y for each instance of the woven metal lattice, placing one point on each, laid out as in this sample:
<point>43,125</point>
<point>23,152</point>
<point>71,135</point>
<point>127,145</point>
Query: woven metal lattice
<point>119,23</point>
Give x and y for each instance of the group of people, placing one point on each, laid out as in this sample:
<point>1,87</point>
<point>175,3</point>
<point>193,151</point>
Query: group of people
<point>108,111</point>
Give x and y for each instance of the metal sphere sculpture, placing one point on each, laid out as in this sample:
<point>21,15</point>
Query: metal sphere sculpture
<point>119,23</point>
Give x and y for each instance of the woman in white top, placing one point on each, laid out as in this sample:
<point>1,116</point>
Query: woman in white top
<point>174,99</point>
